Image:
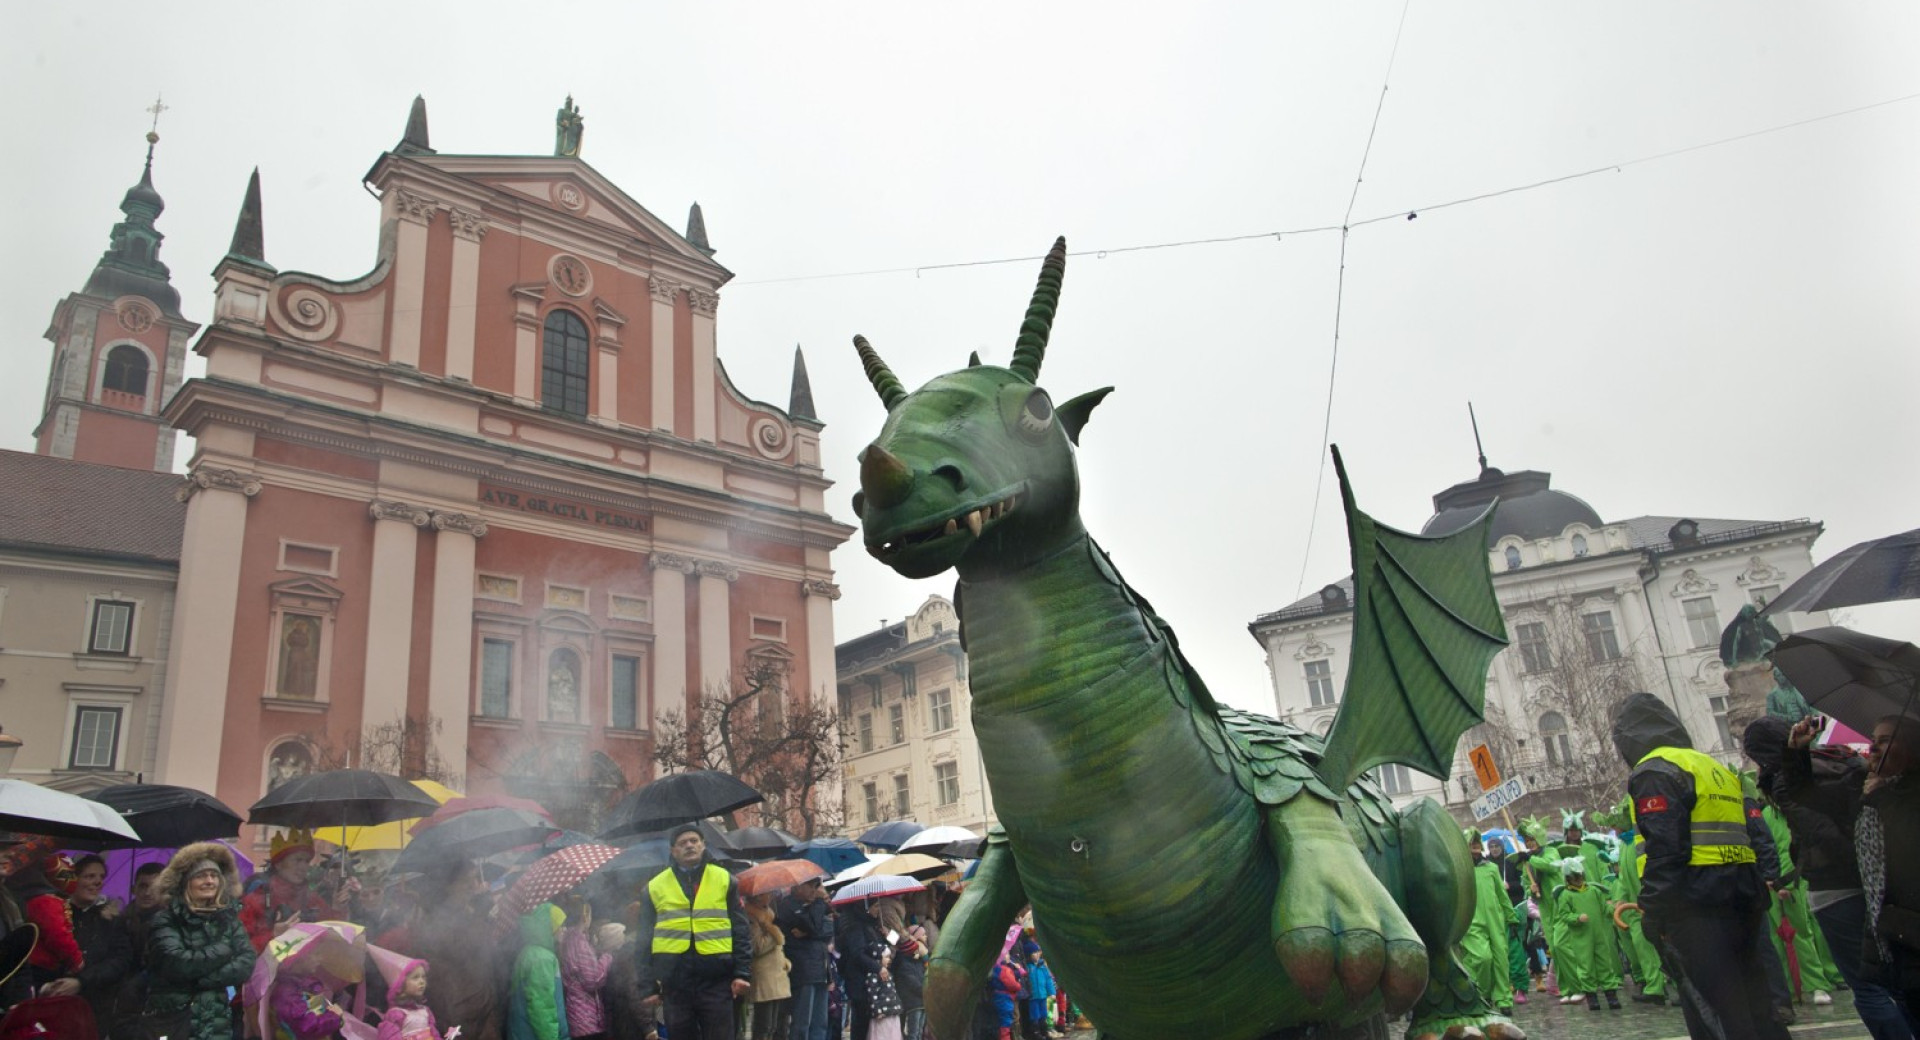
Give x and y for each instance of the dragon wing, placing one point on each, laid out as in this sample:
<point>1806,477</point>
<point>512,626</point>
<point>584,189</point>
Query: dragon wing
<point>1426,626</point>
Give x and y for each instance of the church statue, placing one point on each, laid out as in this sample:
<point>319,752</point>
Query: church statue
<point>567,128</point>
<point>1193,870</point>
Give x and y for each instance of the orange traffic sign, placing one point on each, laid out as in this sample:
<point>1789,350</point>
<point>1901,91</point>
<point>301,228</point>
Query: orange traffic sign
<point>1483,767</point>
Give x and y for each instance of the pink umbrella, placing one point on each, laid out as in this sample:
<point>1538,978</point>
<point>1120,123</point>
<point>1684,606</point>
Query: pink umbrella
<point>553,875</point>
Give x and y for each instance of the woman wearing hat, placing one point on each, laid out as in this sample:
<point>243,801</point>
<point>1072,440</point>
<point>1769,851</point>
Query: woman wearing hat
<point>197,951</point>
<point>287,896</point>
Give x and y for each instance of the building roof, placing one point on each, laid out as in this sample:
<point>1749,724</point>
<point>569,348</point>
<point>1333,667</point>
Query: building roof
<point>1528,507</point>
<point>1647,534</point>
<point>59,505</point>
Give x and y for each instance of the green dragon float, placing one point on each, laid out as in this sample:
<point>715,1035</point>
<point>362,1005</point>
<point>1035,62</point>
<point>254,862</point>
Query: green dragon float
<point>1194,871</point>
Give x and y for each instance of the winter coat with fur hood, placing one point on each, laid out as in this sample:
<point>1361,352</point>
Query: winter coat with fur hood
<point>195,956</point>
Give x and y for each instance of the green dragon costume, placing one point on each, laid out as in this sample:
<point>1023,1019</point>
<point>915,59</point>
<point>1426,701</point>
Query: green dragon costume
<point>1193,870</point>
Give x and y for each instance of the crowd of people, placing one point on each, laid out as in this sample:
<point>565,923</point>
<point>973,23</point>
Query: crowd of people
<point>683,954</point>
<point>1731,895</point>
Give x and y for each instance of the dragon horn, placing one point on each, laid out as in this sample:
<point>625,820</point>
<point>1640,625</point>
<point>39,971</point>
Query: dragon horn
<point>882,377</point>
<point>1031,348</point>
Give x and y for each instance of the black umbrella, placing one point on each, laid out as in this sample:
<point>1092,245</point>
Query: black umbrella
<point>1872,572</point>
<point>341,798</point>
<point>679,798</point>
<point>168,817</point>
<point>890,834</point>
<point>474,835</point>
<point>761,842</point>
<point>1856,678</point>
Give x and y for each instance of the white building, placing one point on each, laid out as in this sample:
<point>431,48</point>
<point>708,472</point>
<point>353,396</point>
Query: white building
<point>905,706</point>
<point>1594,610</point>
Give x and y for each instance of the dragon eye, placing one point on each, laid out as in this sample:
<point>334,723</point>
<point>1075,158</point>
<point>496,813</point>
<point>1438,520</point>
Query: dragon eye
<point>1036,415</point>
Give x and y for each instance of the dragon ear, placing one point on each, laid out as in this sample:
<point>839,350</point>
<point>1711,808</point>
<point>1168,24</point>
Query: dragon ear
<point>1073,414</point>
<point>973,360</point>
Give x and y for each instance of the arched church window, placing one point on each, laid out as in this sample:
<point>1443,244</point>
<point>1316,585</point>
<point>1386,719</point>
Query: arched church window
<point>564,356</point>
<point>126,371</point>
<point>563,686</point>
<point>1553,733</point>
<point>1513,558</point>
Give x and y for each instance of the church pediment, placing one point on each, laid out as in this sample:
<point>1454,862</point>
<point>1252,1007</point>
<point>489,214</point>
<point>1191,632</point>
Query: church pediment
<point>573,188</point>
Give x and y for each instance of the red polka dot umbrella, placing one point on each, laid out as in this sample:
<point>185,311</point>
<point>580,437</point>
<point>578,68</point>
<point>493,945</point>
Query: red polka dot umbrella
<point>554,874</point>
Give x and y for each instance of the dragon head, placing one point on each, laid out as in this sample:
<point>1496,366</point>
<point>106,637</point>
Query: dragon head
<point>975,469</point>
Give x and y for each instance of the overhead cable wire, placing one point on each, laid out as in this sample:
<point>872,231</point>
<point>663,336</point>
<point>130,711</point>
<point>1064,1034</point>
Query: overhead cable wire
<point>1295,232</point>
<point>1339,305</point>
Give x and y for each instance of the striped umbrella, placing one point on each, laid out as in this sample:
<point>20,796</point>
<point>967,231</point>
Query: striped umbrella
<point>872,887</point>
<point>556,873</point>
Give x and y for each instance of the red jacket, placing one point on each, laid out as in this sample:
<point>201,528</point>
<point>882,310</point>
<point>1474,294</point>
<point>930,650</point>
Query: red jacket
<point>57,952</point>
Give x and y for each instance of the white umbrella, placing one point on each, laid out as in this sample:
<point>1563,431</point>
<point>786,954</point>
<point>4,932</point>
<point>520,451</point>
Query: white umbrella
<point>944,841</point>
<point>32,809</point>
<point>876,887</point>
<point>856,872</point>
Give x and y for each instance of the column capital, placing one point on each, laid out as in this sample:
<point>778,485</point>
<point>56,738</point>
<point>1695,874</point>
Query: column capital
<point>717,569</point>
<point>381,509</point>
<point>465,523</point>
<point>670,561</point>
<point>819,587</point>
<point>413,207</point>
<point>470,226</point>
<point>662,289</point>
<point>703,302</point>
<point>213,478</point>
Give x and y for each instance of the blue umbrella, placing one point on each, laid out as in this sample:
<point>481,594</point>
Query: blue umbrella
<point>833,854</point>
<point>890,834</point>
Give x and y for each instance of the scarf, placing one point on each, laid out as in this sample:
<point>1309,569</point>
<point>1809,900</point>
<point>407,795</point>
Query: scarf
<point>1870,844</point>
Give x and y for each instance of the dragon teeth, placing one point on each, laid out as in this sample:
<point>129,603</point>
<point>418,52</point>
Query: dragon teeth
<point>953,527</point>
<point>974,522</point>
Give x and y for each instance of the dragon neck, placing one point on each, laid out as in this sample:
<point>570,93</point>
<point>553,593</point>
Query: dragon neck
<point>1037,635</point>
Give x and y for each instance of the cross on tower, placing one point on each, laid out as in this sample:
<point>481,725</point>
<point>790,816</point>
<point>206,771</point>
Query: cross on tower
<point>156,108</point>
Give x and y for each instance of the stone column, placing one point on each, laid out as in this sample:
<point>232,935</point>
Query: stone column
<point>450,653</point>
<point>415,213</point>
<point>468,230</point>
<point>670,572</point>
<point>396,540</point>
<point>716,630</point>
<point>663,296</point>
<point>200,660</point>
<point>821,676</point>
<point>704,306</point>
<point>606,377</point>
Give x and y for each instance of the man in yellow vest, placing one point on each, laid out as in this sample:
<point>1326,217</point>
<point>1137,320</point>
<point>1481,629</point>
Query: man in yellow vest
<point>1701,888</point>
<point>694,950</point>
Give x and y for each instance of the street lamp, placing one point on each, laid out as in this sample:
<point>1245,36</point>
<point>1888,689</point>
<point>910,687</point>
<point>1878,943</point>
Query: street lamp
<point>9,747</point>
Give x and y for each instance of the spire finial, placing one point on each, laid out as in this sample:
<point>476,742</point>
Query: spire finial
<point>697,230</point>
<point>414,140</point>
<point>249,235</point>
<point>800,399</point>
<point>1476,436</point>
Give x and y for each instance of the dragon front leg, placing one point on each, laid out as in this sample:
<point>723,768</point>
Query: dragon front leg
<point>1332,918</point>
<point>971,939</point>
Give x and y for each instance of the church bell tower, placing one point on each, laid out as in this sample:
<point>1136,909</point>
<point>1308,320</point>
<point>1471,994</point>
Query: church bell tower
<point>119,348</point>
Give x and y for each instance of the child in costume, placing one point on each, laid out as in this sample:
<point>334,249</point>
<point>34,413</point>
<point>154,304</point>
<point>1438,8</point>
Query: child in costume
<point>1587,960</point>
<point>1040,993</point>
<point>1483,950</point>
<point>303,1007</point>
<point>407,1016</point>
<point>536,1001</point>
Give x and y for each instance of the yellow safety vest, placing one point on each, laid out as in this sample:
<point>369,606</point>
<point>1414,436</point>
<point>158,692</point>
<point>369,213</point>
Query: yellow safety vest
<point>1718,824</point>
<point>700,924</point>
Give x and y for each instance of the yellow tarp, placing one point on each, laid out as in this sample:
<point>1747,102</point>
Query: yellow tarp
<point>387,835</point>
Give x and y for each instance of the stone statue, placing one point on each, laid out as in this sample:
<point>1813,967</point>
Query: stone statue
<point>1193,870</point>
<point>567,128</point>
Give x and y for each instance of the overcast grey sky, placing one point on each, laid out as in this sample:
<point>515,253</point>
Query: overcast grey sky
<point>1727,332</point>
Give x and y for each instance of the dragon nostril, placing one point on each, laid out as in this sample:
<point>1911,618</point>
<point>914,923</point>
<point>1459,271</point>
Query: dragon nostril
<point>952,475</point>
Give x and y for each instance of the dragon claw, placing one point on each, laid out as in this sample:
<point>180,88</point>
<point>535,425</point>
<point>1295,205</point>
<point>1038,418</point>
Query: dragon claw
<point>1309,955</point>
<point>1363,954</point>
<point>1405,978</point>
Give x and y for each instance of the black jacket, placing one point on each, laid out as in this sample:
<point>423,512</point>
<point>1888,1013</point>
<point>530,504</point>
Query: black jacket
<point>1818,793</point>
<point>860,940</point>
<point>1898,804</point>
<point>109,956</point>
<point>691,969</point>
<point>1670,886</point>
<point>809,929</point>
